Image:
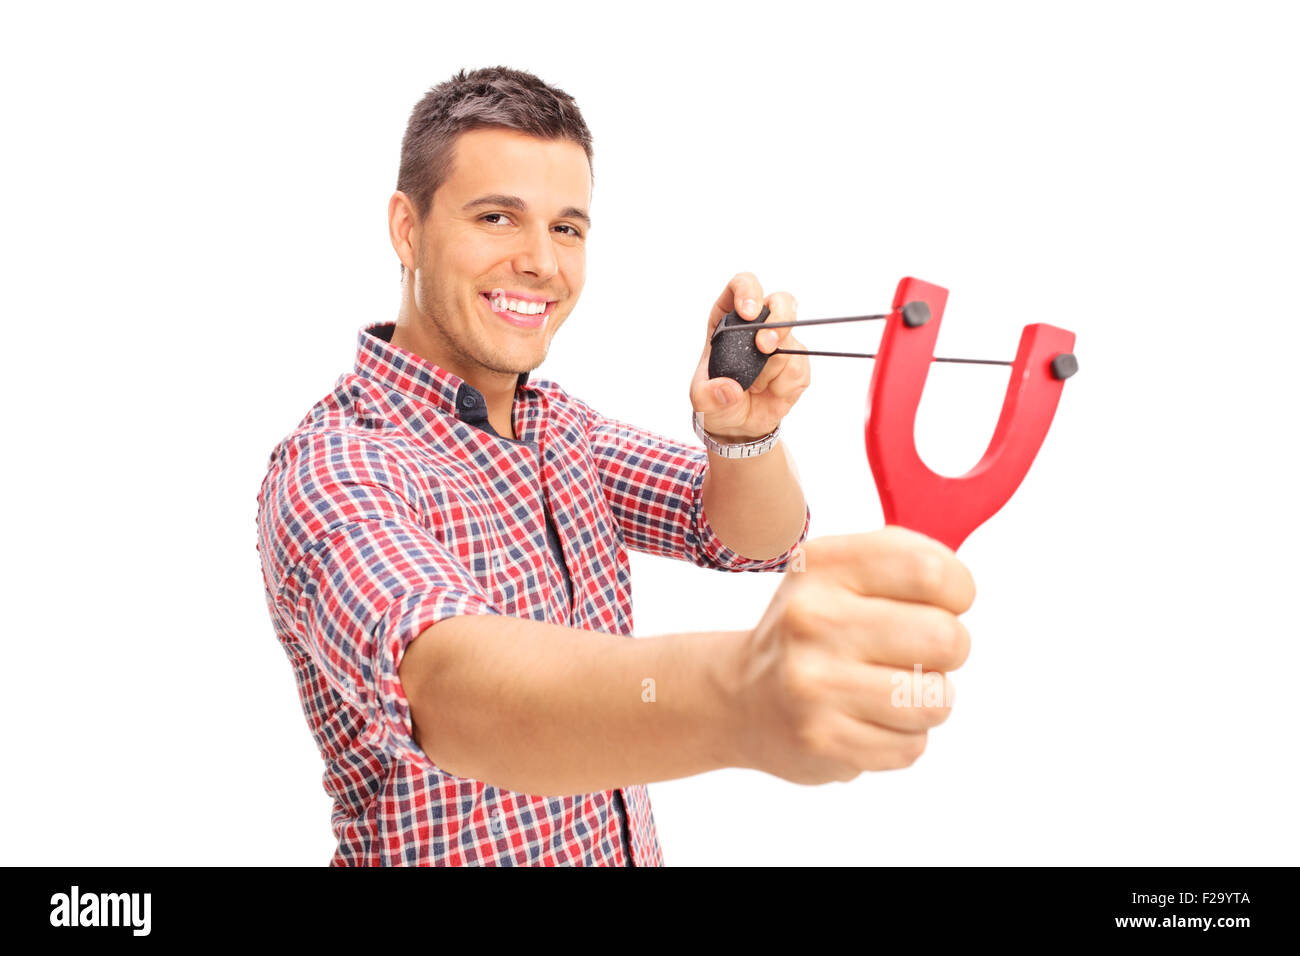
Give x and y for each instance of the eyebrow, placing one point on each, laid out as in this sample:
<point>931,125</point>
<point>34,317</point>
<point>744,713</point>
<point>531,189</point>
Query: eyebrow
<point>514,202</point>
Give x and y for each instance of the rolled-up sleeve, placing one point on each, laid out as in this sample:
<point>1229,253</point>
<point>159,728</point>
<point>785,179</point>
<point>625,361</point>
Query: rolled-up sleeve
<point>357,571</point>
<point>655,489</point>
<point>715,554</point>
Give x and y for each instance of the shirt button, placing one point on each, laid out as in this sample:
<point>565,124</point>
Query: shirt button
<point>469,401</point>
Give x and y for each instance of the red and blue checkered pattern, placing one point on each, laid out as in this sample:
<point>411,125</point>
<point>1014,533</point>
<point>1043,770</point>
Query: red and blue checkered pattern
<point>383,513</point>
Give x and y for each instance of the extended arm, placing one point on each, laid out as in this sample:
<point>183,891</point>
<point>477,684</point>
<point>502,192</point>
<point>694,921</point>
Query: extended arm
<point>810,694</point>
<point>544,709</point>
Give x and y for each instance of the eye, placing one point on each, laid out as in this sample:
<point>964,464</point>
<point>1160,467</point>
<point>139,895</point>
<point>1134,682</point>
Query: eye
<point>572,230</point>
<point>490,215</point>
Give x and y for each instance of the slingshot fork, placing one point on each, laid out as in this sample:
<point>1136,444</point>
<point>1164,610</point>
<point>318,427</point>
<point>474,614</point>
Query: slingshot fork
<point>911,495</point>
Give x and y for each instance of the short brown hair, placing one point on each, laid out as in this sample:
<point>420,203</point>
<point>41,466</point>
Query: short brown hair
<point>494,96</point>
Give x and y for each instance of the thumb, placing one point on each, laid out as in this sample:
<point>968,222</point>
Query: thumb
<point>722,393</point>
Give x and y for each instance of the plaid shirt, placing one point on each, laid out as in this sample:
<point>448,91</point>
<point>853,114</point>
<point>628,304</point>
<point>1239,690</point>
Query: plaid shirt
<point>386,511</point>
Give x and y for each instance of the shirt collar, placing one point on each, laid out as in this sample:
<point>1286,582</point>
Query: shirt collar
<point>412,375</point>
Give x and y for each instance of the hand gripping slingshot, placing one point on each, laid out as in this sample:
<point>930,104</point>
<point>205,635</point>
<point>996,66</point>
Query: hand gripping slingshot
<point>911,495</point>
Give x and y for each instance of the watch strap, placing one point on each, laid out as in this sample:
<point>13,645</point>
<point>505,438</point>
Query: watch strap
<point>737,449</point>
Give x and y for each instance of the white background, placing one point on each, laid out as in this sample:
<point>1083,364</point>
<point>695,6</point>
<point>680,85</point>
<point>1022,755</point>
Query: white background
<point>194,230</point>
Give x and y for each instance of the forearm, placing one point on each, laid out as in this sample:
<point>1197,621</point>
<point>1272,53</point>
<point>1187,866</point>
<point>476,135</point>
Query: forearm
<point>543,709</point>
<point>755,505</point>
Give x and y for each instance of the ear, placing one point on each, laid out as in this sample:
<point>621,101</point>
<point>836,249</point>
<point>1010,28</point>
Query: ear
<point>403,229</point>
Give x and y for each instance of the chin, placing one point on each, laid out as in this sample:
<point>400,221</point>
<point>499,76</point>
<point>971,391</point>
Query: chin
<point>513,365</point>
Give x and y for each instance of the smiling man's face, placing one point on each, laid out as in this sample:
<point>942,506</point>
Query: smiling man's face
<point>511,217</point>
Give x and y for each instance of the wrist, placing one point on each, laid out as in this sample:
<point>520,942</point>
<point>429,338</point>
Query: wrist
<point>725,675</point>
<point>735,445</point>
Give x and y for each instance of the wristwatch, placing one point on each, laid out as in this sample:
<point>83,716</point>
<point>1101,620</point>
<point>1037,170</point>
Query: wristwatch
<point>739,450</point>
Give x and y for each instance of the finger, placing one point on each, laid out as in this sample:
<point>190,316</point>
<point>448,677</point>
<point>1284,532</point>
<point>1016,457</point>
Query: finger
<point>784,376</point>
<point>782,307</point>
<point>877,630</point>
<point>868,746</point>
<point>907,634</point>
<point>717,394</point>
<point>894,562</point>
<point>901,699</point>
<point>744,294</point>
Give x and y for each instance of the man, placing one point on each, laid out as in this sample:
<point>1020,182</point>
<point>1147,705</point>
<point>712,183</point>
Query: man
<point>444,543</point>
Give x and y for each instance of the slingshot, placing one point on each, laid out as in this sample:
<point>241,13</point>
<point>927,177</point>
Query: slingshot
<point>911,495</point>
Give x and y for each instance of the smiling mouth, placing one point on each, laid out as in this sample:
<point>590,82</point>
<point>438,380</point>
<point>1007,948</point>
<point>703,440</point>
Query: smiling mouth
<point>512,310</point>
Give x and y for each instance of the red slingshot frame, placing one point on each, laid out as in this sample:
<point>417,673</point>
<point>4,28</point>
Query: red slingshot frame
<point>911,495</point>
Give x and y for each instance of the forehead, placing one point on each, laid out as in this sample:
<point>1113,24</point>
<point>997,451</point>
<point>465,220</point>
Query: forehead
<point>543,171</point>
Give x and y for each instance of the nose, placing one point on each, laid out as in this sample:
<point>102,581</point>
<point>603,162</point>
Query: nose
<point>536,254</point>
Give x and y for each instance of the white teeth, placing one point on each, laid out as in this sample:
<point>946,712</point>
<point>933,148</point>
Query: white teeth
<point>501,303</point>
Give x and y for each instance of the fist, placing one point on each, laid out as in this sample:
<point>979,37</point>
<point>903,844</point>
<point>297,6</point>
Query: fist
<point>827,680</point>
